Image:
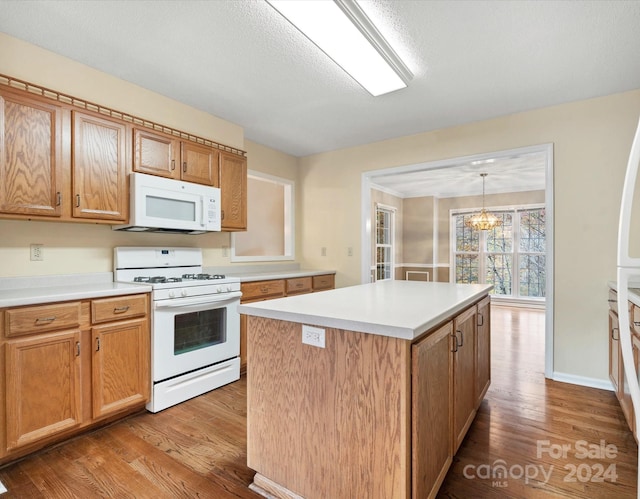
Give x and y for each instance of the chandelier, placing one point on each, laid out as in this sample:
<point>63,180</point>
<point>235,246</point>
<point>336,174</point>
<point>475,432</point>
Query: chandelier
<point>483,220</point>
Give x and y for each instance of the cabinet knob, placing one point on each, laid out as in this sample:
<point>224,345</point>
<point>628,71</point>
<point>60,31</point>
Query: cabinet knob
<point>77,200</point>
<point>42,320</point>
<point>173,164</point>
<point>613,336</point>
<point>184,166</point>
<point>119,310</point>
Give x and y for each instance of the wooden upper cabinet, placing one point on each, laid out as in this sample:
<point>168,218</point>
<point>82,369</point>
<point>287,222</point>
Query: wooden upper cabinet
<point>160,154</point>
<point>199,163</point>
<point>233,191</point>
<point>30,156</point>
<point>156,154</point>
<point>99,168</point>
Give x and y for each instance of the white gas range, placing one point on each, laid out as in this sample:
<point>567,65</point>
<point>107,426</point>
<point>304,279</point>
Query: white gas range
<point>195,325</point>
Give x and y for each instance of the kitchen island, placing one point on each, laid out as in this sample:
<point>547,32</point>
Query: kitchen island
<point>365,391</point>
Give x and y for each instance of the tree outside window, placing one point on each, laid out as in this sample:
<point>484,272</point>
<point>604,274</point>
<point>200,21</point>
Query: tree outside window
<point>510,256</point>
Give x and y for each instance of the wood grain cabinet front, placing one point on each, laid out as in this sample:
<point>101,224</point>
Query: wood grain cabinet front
<point>464,374</point>
<point>233,191</point>
<point>30,156</point>
<point>299,285</point>
<point>161,154</point>
<point>69,366</point>
<point>432,404</point>
<point>100,166</point>
<point>43,387</point>
<point>323,282</point>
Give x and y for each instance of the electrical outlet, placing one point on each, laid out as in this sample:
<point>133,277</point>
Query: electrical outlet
<point>225,251</point>
<point>313,336</point>
<point>349,251</point>
<point>37,252</point>
<point>323,251</point>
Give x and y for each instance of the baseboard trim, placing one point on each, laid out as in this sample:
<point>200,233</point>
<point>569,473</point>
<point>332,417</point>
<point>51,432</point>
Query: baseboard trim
<point>601,384</point>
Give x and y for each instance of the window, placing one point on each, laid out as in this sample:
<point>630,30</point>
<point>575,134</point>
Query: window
<point>384,242</point>
<point>270,234</point>
<point>511,256</point>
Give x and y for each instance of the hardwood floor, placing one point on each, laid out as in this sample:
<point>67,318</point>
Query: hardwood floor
<point>525,420</point>
<point>198,448</point>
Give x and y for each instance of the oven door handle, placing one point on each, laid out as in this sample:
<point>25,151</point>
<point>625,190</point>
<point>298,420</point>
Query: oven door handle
<point>198,300</point>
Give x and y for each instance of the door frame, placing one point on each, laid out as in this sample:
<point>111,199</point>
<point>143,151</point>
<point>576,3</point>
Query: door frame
<point>367,179</point>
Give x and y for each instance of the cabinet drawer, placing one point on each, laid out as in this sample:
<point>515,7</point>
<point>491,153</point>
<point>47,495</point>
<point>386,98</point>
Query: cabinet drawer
<point>41,318</point>
<point>259,290</point>
<point>119,307</point>
<point>299,285</point>
<point>322,282</point>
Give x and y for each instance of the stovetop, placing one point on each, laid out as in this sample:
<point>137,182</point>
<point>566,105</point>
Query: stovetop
<point>170,268</point>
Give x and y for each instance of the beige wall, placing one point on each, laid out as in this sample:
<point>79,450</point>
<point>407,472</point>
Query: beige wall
<point>418,230</point>
<point>71,248</point>
<point>591,142</point>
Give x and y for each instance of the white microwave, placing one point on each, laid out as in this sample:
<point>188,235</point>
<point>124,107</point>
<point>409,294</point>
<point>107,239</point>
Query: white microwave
<point>159,204</point>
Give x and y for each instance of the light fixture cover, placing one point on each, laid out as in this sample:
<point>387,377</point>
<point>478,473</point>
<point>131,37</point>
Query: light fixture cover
<point>342,30</point>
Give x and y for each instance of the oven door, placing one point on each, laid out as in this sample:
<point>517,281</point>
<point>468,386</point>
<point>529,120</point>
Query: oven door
<point>191,333</point>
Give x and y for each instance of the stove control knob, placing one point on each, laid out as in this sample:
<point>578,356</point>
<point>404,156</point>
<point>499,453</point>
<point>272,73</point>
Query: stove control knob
<point>172,294</point>
<point>228,288</point>
<point>219,289</point>
<point>184,293</point>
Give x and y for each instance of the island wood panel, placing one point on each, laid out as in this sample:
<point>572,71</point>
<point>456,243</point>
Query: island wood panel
<point>432,403</point>
<point>331,422</point>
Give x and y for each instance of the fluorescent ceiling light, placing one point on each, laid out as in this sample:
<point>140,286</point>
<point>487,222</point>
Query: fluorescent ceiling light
<point>344,32</point>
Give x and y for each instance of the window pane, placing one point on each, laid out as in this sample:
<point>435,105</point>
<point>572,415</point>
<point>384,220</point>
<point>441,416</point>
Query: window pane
<point>532,231</point>
<point>467,269</point>
<point>532,275</point>
<point>467,239</point>
<point>498,273</point>
<point>383,227</point>
<point>500,239</point>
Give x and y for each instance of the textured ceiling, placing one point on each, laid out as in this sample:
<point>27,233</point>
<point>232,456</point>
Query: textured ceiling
<point>522,172</point>
<point>241,61</point>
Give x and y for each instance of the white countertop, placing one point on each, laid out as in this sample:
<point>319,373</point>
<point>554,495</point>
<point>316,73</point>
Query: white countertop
<point>399,309</point>
<point>16,292</point>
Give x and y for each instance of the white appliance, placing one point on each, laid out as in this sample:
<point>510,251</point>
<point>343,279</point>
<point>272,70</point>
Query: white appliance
<point>195,324</point>
<point>629,273</point>
<point>158,204</point>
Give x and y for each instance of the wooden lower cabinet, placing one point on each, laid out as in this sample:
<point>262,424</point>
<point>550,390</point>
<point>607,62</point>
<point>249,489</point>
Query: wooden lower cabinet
<point>483,349</point>
<point>464,374</point>
<point>43,387</point>
<point>379,416</point>
<point>69,366</point>
<point>121,376</point>
<point>432,405</point>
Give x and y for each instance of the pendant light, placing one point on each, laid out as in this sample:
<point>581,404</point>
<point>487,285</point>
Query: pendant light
<point>483,220</point>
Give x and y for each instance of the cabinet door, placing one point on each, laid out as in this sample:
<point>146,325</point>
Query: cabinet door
<point>121,375</point>
<point>243,343</point>
<point>614,352</point>
<point>156,154</point>
<point>464,368</point>
<point>199,164</point>
<point>431,400</point>
<point>99,168</point>
<point>30,157</point>
<point>483,350</point>
<point>233,191</point>
<point>43,387</point>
